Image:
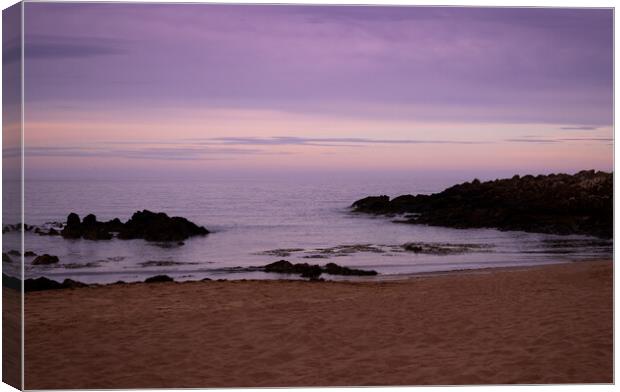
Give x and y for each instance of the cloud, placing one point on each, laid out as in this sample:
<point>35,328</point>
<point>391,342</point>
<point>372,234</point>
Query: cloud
<point>588,139</point>
<point>55,46</point>
<point>172,153</point>
<point>204,148</point>
<point>455,64</point>
<point>560,140</point>
<point>579,128</point>
<point>532,141</point>
<point>329,142</point>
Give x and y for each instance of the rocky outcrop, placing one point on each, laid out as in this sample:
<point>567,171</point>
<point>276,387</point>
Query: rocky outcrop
<point>557,203</point>
<point>11,282</point>
<point>313,271</point>
<point>42,283</point>
<point>151,226</point>
<point>45,259</point>
<point>335,269</point>
<point>158,279</point>
<point>159,227</point>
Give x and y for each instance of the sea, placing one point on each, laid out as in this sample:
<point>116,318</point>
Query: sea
<point>256,220</point>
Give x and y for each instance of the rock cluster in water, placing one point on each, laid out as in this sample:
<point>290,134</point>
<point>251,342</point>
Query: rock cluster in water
<point>151,226</point>
<point>557,203</point>
<point>45,259</point>
<point>313,271</point>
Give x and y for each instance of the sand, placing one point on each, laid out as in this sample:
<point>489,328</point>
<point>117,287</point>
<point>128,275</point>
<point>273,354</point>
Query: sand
<point>550,324</point>
<point>11,337</point>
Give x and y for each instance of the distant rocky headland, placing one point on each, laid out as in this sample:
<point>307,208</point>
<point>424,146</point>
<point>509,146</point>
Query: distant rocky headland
<point>556,203</point>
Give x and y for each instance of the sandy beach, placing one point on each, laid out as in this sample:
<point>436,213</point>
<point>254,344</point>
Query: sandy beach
<point>550,324</point>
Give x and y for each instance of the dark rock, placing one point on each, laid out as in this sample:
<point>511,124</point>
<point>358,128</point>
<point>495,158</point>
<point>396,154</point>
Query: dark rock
<point>72,284</point>
<point>11,282</point>
<point>151,226</point>
<point>335,269</point>
<point>73,228</point>
<point>43,283</point>
<point>45,259</point>
<point>29,253</point>
<point>90,220</point>
<point>557,203</point>
<point>159,227</point>
<point>40,284</point>
<point>73,220</point>
<point>6,258</point>
<point>282,267</point>
<point>158,278</point>
<point>309,271</point>
<point>376,204</point>
<point>14,252</point>
<point>313,271</point>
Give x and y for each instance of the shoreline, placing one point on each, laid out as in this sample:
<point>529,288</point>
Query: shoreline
<point>549,324</point>
<point>339,279</point>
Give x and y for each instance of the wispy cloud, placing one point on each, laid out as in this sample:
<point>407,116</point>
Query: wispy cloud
<point>580,128</point>
<point>325,142</point>
<point>207,148</point>
<point>560,140</point>
<point>589,139</point>
<point>173,153</point>
<point>532,140</point>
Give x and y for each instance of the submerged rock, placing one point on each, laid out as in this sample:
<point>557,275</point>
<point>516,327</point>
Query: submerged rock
<point>163,263</point>
<point>29,253</point>
<point>6,258</point>
<point>557,203</point>
<point>280,252</point>
<point>45,259</point>
<point>434,248</point>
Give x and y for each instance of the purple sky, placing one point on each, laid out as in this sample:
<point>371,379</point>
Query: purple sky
<point>246,78</point>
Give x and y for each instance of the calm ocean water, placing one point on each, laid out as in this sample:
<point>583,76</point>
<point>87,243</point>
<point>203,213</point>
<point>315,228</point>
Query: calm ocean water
<point>250,217</point>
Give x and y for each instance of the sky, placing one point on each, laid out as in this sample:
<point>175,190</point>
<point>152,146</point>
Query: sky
<point>178,88</point>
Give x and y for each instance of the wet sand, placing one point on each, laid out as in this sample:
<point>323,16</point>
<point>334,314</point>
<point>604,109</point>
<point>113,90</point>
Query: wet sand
<point>550,324</point>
